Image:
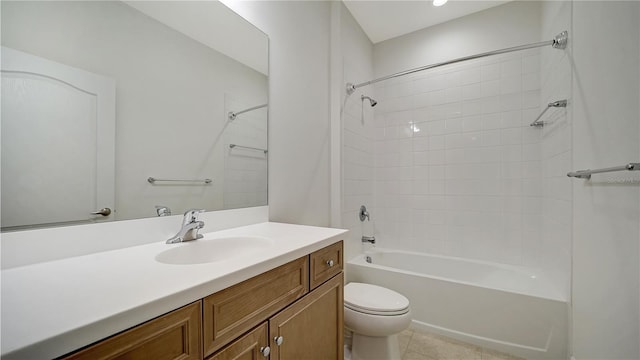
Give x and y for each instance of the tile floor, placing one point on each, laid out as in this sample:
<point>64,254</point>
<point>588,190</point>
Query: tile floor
<point>418,345</point>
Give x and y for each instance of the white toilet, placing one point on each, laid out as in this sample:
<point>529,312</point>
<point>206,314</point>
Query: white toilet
<point>375,315</point>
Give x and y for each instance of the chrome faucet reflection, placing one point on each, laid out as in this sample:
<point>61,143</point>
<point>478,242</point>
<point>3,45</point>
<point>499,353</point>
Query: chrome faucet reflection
<point>190,227</point>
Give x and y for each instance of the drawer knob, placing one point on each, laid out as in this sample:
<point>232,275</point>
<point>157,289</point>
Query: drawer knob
<point>278,340</point>
<point>330,263</point>
<point>265,351</point>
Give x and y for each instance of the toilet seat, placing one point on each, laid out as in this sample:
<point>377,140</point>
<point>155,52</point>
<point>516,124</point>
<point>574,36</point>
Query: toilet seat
<point>374,300</point>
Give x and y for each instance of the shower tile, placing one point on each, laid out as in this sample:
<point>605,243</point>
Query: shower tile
<point>421,172</point>
<point>471,123</point>
<point>531,99</point>
<point>510,119</point>
<point>490,88</point>
<point>437,142</point>
<point>491,105</point>
<point>472,107</point>
<point>491,122</point>
<point>453,94</point>
<point>511,67</point>
<point>490,72</point>
<point>422,100</point>
<point>420,144</point>
<point>491,137</point>
<point>510,85</point>
<point>438,97</point>
<point>453,125</point>
<point>470,75</point>
<point>511,136</point>
<point>436,127</point>
<point>531,82</point>
<point>509,102</point>
<point>436,187</point>
<point>471,91</point>
<point>531,64</point>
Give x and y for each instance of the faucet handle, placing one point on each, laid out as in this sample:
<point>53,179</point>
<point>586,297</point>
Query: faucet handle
<point>191,215</point>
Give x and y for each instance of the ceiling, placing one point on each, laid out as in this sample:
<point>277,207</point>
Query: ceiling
<point>382,20</point>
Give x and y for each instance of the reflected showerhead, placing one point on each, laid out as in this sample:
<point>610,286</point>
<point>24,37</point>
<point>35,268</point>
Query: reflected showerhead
<point>371,101</point>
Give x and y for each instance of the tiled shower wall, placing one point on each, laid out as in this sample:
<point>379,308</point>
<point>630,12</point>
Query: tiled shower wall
<point>457,167</point>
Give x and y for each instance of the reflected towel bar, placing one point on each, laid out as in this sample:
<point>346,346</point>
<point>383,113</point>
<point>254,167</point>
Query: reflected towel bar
<point>231,146</point>
<point>586,174</point>
<point>559,103</point>
<point>153,180</point>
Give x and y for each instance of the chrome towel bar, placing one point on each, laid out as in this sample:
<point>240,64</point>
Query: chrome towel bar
<point>153,180</point>
<point>231,146</point>
<point>559,103</point>
<point>586,174</point>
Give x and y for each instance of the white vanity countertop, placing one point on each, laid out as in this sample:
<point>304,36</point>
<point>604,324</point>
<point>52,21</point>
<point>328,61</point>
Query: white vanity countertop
<point>52,308</point>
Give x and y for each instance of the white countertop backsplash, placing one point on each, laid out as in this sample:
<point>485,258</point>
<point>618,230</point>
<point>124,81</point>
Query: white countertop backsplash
<point>53,307</point>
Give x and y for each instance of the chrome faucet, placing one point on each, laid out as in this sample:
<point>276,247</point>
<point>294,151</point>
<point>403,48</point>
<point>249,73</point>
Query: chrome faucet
<point>190,227</point>
<point>368,239</point>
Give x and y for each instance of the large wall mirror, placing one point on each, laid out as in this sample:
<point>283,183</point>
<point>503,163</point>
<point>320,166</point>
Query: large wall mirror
<point>121,110</point>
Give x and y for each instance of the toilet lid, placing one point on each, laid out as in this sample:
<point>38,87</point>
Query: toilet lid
<point>373,299</point>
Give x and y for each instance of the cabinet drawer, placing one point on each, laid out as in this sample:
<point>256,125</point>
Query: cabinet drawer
<point>325,263</point>
<point>175,335</point>
<point>233,311</point>
<point>247,347</point>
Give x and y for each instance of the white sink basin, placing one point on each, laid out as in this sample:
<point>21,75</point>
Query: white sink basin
<point>212,250</point>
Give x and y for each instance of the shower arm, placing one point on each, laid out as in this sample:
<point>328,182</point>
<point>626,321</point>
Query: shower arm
<point>232,115</point>
<point>558,42</point>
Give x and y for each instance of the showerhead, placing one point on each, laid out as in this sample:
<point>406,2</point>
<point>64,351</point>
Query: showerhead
<point>371,101</point>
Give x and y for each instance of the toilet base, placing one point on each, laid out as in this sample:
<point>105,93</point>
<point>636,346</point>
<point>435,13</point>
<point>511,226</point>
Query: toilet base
<point>375,347</point>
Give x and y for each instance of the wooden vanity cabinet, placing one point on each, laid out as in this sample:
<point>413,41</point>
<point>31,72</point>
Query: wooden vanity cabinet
<point>231,312</point>
<point>312,327</point>
<point>275,309</point>
<point>247,347</point>
<point>175,335</point>
<point>325,264</point>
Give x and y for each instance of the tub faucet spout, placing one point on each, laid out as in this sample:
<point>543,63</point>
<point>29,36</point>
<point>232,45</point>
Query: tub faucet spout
<point>368,239</point>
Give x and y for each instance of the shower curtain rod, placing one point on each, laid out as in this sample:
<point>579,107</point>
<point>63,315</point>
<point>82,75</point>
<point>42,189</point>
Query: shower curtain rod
<point>558,42</point>
<point>233,114</point>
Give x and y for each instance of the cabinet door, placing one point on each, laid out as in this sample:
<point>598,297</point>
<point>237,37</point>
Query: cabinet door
<point>175,335</point>
<point>311,328</point>
<point>233,311</point>
<point>247,347</point>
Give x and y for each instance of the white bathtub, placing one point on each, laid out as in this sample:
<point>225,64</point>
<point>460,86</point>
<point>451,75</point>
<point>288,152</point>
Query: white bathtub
<point>506,308</point>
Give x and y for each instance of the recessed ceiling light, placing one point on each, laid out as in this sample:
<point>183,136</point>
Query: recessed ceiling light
<point>439,2</point>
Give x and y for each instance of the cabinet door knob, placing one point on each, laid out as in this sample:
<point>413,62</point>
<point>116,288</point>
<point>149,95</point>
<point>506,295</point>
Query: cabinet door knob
<point>330,263</point>
<point>278,340</point>
<point>265,351</point>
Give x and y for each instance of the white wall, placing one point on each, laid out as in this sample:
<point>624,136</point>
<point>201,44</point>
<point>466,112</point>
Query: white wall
<point>358,132</point>
<point>606,210</point>
<point>511,24</point>
<point>553,226</point>
<point>170,95</point>
<point>299,126</point>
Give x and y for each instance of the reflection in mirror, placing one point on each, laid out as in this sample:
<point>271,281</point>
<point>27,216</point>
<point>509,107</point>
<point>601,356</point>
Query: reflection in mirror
<point>100,96</point>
